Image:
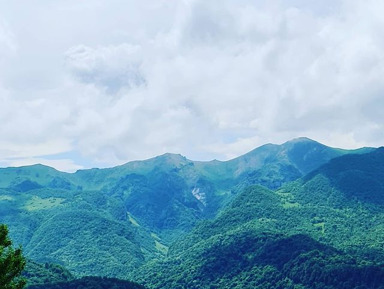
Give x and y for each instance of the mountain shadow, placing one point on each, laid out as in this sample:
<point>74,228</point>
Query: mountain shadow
<point>358,177</point>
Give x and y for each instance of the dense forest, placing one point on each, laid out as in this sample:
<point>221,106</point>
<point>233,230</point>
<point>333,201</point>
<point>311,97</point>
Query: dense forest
<point>300,215</point>
<point>91,283</point>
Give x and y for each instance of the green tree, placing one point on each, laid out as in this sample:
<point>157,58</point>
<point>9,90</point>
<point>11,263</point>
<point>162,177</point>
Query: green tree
<point>12,262</point>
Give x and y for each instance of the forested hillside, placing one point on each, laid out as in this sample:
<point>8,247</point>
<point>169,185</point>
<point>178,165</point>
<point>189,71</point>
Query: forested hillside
<point>297,215</point>
<point>91,283</point>
<point>38,274</point>
<point>309,234</point>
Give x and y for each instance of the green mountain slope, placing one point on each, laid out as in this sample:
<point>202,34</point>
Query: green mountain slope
<point>274,165</point>
<point>314,233</point>
<point>359,177</point>
<point>83,230</point>
<point>170,193</point>
<point>82,220</point>
<point>350,192</point>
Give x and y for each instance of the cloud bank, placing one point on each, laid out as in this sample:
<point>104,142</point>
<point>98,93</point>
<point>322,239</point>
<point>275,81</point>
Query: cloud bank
<point>113,81</point>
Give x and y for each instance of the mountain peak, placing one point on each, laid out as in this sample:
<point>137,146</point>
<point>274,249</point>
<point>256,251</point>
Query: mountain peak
<point>171,155</point>
<point>300,140</point>
<point>171,158</point>
<point>31,169</point>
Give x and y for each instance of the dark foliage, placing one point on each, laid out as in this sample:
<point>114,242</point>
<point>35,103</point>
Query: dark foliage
<point>37,274</point>
<point>357,176</point>
<point>12,262</point>
<point>91,283</point>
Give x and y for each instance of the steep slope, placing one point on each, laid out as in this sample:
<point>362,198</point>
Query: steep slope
<point>359,177</point>
<point>350,192</point>
<point>140,206</point>
<point>170,193</point>
<point>274,165</point>
<point>318,232</point>
<point>83,230</point>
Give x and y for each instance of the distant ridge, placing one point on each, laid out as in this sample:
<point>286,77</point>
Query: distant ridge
<point>175,157</point>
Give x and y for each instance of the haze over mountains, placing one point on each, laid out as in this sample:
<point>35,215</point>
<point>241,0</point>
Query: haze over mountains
<point>176,223</point>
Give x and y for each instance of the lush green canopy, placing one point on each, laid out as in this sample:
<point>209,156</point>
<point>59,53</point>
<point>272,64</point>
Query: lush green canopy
<point>12,262</point>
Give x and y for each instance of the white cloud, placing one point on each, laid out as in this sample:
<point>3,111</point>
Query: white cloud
<point>132,79</point>
<point>112,67</point>
<point>8,43</point>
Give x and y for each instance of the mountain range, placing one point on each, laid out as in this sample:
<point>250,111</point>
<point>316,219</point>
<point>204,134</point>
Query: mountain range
<point>290,215</point>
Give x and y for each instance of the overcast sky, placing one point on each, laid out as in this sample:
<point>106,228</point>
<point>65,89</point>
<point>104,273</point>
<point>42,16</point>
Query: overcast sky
<point>97,83</point>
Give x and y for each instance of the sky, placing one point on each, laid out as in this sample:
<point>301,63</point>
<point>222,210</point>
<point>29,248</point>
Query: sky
<point>98,83</point>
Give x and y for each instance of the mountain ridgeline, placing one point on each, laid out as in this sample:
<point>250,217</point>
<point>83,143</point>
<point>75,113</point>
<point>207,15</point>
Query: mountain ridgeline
<point>296,215</point>
<point>316,232</point>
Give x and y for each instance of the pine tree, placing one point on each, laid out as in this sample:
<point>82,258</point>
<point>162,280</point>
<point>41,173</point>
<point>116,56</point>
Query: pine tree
<point>12,262</point>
